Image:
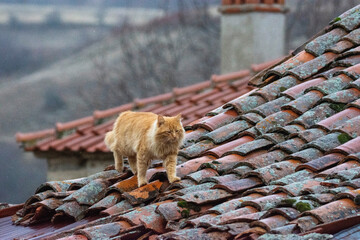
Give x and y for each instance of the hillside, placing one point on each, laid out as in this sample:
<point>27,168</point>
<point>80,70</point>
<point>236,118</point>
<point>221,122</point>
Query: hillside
<point>56,93</point>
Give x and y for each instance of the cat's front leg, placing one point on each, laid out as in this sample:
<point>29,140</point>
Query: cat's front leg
<point>170,166</point>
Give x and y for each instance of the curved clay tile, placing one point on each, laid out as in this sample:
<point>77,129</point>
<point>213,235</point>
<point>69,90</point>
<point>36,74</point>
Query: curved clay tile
<point>192,165</point>
<point>159,98</point>
<point>270,223</point>
<point>192,88</point>
<point>230,76</point>
<point>340,47</point>
<point>295,61</point>
<point>312,67</point>
<point>21,137</point>
<point>335,210</point>
<point>239,185</point>
<point>321,43</point>
<point>306,155</point>
<point>105,203</point>
<point>73,124</point>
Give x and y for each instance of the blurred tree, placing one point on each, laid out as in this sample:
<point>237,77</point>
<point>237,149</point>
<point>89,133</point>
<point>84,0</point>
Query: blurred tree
<point>53,19</point>
<point>307,17</point>
<point>176,50</point>
<point>53,100</point>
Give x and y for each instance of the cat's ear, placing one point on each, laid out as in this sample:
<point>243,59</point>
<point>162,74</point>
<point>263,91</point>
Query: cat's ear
<point>161,120</point>
<point>178,117</point>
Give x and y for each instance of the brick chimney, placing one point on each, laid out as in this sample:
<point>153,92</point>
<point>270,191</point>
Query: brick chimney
<point>252,31</point>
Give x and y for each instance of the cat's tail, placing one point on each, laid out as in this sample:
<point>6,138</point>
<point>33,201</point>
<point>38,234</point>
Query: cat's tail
<point>110,140</point>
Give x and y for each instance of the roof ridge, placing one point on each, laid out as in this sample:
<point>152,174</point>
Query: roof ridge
<point>20,137</point>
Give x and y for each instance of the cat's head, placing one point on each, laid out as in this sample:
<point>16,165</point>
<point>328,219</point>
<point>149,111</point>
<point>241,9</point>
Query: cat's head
<point>170,129</point>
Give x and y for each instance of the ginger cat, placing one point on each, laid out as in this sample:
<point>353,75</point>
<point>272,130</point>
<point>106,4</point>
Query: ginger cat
<point>145,136</point>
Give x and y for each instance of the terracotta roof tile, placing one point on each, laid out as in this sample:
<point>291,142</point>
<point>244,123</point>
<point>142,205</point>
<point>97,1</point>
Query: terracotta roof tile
<point>303,103</point>
<point>306,155</point>
<point>290,146</point>
<point>241,217</point>
<point>264,159</point>
<point>340,47</point>
<point>278,119</point>
<point>349,147</point>
<point>332,72</point>
<point>119,207</point>
<point>350,21</point>
<point>353,37</point>
<point>226,132</point>
<point>298,90</point>
<point>350,127</point>
<point>244,104</point>
<point>341,167</point>
<point>322,163</point>
<point>194,188</point>
<point>350,59</point>
<point>315,115</point>
<point>293,62</point>
<point>218,120</point>
<point>310,134</point>
<point>270,223</point>
<point>271,107</point>
<point>325,143</point>
<point>202,174</point>
<point>274,171</point>
<point>335,210</point>
<point>250,147</point>
<point>293,178</point>
<point>222,149</point>
<point>144,193</point>
<point>238,186</point>
<point>197,149</point>
<point>266,202</point>
<point>272,90</point>
<point>321,43</point>
<point>105,203</point>
<point>205,197</point>
<point>312,67</point>
<point>353,72</point>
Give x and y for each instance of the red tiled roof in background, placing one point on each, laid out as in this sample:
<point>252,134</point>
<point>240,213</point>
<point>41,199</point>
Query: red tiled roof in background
<point>236,6</point>
<point>267,162</point>
<point>193,102</point>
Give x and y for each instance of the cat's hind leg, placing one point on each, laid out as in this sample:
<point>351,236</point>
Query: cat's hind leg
<point>132,163</point>
<point>142,164</point>
<point>119,166</point>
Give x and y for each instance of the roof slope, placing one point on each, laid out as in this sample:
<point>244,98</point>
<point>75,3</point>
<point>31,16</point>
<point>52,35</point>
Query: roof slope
<point>284,158</point>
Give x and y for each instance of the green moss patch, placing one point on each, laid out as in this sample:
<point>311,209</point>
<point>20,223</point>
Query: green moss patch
<point>337,107</point>
<point>187,207</point>
<point>207,165</point>
<point>282,89</point>
<point>303,206</point>
<point>288,201</point>
<point>343,138</point>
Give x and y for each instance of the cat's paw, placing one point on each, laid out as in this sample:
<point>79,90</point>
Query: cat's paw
<point>141,183</point>
<point>174,179</point>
